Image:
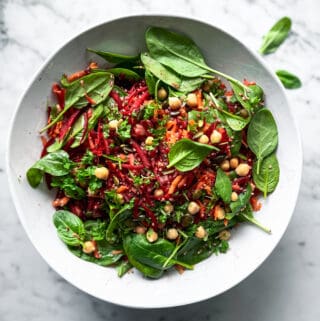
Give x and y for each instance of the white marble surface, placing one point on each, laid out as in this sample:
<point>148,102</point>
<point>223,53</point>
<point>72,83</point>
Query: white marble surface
<point>286,286</point>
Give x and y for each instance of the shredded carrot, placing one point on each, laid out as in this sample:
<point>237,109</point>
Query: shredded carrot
<point>122,189</point>
<point>93,65</point>
<point>182,182</point>
<point>206,127</point>
<point>76,75</point>
<point>44,141</point>
<point>116,252</point>
<point>179,268</point>
<point>256,205</point>
<point>174,184</point>
<point>225,222</point>
<point>199,99</point>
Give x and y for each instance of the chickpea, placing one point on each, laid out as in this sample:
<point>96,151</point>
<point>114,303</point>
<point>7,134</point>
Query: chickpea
<point>152,235</point>
<point>120,198</point>
<point>172,234</point>
<point>200,123</point>
<point>215,137</point>
<point>225,165</point>
<point>244,113</point>
<point>140,229</point>
<point>234,162</point>
<point>101,173</point>
<point>192,100</point>
<point>158,192</point>
<point>200,232</point>
<point>224,235</point>
<point>186,220</point>
<point>88,247</point>
<point>193,208</point>
<point>162,94</point>
<point>113,124</point>
<point>234,196</point>
<point>204,139</point>
<point>242,169</point>
<point>219,213</point>
<point>149,140</point>
<point>168,208</point>
<point>174,103</point>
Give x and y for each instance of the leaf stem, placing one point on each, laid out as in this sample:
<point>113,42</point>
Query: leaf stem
<point>257,223</point>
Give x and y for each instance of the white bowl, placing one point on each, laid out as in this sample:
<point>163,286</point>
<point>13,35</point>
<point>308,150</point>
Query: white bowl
<point>249,246</point>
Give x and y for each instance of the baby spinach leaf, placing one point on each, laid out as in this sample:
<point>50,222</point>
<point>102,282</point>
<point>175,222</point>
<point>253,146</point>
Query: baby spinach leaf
<point>108,254</point>
<point>276,36</point>
<point>55,164</point>
<point>127,73</point>
<point>268,177</point>
<point>95,230</point>
<point>123,267</point>
<point>175,51</point>
<point>151,81</point>
<point>289,80</point>
<point>242,201</point>
<point>190,84</point>
<point>161,72</point>
<point>247,216</point>
<point>96,85</point>
<point>223,187</point>
<point>186,154</point>
<point>70,228</point>
<point>115,58</point>
<point>146,270</point>
<point>262,136</point>
<point>236,142</point>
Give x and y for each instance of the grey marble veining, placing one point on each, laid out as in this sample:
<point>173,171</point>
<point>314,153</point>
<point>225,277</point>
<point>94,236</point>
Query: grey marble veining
<point>286,286</point>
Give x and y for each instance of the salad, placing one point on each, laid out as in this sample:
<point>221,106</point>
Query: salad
<point>154,158</point>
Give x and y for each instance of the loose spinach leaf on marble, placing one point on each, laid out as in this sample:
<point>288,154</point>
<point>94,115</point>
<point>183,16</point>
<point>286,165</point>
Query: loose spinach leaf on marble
<point>268,177</point>
<point>186,154</point>
<point>115,58</point>
<point>223,187</point>
<point>289,80</point>
<point>70,228</point>
<point>55,164</point>
<point>276,36</point>
<point>262,136</point>
<point>96,85</point>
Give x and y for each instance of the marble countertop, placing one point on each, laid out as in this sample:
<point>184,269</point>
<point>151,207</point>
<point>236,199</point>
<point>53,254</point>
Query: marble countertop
<point>286,286</point>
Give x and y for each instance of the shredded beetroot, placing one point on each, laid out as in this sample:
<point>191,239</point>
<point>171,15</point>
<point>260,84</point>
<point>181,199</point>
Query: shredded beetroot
<point>141,154</point>
<point>60,94</point>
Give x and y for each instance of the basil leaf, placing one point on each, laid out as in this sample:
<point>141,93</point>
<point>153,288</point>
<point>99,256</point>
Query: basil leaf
<point>186,154</point>
<point>276,36</point>
<point>70,228</point>
<point>223,187</point>
<point>161,72</point>
<point>247,216</point>
<point>55,164</point>
<point>96,85</point>
<point>268,177</point>
<point>127,73</point>
<point>262,136</point>
<point>289,80</point>
<point>114,58</point>
<point>175,51</point>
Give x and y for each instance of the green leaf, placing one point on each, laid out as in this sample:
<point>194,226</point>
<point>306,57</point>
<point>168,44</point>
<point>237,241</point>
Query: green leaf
<point>95,230</point>
<point>95,85</point>
<point>289,80</point>
<point>276,36</point>
<point>69,185</point>
<point>123,267</point>
<point>55,164</point>
<point>127,73</point>
<point>240,203</point>
<point>236,142</point>
<point>115,58</point>
<point>175,51</point>
<point>186,154</point>
<point>223,187</point>
<point>190,84</point>
<point>161,72</point>
<point>124,130</point>
<point>262,135</point>
<point>69,227</point>
<point>268,177</point>
<point>151,81</point>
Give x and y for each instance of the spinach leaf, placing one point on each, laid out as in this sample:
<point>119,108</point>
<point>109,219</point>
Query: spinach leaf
<point>268,177</point>
<point>127,73</point>
<point>146,270</point>
<point>262,136</point>
<point>242,201</point>
<point>69,185</point>
<point>186,154</point>
<point>114,58</point>
<point>151,81</point>
<point>123,267</point>
<point>223,187</point>
<point>96,85</point>
<point>95,230</point>
<point>55,164</point>
<point>190,84</point>
<point>161,72</point>
<point>236,142</point>
<point>289,80</point>
<point>108,254</point>
<point>247,216</point>
<point>276,36</point>
<point>70,228</point>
